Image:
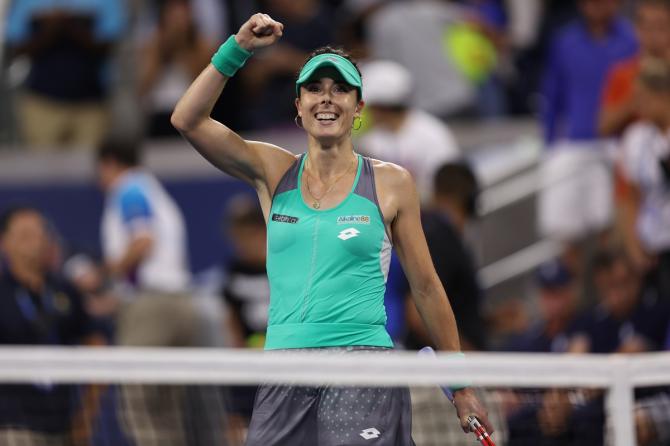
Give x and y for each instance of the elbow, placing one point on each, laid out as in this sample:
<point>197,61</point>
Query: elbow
<point>180,122</point>
<point>184,120</point>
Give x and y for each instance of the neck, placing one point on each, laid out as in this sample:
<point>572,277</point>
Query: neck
<point>118,175</point>
<point>28,275</point>
<point>326,162</point>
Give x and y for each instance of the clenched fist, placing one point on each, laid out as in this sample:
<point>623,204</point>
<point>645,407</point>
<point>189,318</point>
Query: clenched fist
<point>258,32</point>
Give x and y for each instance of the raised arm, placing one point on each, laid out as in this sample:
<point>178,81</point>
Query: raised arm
<point>259,164</point>
<point>427,291</point>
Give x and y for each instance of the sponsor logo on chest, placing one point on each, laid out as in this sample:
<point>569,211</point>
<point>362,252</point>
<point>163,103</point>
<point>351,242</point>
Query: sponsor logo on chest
<point>284,218</point>
<point>353,220</point>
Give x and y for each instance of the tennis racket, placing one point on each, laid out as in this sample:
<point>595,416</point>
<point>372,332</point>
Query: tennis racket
<point>475,426</point>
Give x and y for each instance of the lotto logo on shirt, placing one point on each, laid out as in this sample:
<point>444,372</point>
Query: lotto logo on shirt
<point>353,220</point>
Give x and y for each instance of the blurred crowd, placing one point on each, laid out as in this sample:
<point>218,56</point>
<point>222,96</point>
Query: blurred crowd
<point>80,67</point>
<point>103,75</point>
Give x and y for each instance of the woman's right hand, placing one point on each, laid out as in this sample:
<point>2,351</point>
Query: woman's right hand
<point>258,32</point>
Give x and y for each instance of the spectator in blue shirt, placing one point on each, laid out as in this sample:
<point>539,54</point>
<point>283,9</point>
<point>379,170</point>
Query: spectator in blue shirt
<point>68,43</point>
<point>576,200</point>
<point>579,58</point>
<point>628,317</point>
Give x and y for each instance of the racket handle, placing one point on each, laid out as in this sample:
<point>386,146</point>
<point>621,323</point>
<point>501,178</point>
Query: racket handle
<point>428,351</point>
<point>480,431</point>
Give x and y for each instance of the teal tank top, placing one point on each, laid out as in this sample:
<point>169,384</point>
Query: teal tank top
<point>327,268</point>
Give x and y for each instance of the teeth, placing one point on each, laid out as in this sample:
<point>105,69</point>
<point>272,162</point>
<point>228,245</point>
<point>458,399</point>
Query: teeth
<point>326,116</point>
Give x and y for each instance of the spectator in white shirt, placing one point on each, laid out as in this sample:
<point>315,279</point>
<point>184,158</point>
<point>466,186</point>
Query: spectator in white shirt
<point>400,133</point>
<point>645,167</point>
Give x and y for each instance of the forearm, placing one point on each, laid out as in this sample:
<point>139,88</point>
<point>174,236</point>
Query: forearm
<point>197,103</point>
<point>195,107</point>
<point>414,324</point>
<point>433,305</point>
<point>629,210</point>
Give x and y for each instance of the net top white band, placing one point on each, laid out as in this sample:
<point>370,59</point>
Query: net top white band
<point>222,366</point>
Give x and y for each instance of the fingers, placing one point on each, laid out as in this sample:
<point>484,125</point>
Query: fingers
<point>465,425</point>
<point>483,420</point>
<point>263,26</point>
<point>487,424</point>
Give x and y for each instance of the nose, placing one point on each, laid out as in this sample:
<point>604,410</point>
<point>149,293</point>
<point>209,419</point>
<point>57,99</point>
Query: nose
<point>327,95</point>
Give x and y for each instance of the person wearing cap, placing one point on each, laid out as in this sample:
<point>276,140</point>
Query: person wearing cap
<point>401,133</point>
<point>332,218</point>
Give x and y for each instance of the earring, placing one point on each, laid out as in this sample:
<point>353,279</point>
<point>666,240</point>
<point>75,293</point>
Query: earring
<point>298,121</point>
<point>360,123</point>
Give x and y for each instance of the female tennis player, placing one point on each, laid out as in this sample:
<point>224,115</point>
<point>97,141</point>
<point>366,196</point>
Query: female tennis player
<point>332,218</point>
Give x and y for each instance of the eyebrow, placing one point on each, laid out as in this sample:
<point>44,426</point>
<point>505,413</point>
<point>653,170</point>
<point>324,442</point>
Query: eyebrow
<point>340,83</point>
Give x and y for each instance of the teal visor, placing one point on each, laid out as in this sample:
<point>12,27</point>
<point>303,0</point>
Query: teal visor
<point>343,67</point>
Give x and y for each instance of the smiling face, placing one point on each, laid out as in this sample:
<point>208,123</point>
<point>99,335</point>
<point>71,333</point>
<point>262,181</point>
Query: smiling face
<point>327,107</point>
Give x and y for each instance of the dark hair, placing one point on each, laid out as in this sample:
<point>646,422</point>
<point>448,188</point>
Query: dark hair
<point>9,213</point>
<point>332,50</point>
<point>125,151</point>
<point>457,180</point>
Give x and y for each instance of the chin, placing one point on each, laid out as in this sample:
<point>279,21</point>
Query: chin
<point>331,134</point>
<point>329,140</point>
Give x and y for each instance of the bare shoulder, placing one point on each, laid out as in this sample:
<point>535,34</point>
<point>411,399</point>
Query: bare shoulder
<point>392,177</point>
<point>395,188</point>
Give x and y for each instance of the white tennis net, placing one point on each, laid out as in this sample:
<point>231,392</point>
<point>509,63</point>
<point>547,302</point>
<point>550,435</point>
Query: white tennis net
<point>94,371</point>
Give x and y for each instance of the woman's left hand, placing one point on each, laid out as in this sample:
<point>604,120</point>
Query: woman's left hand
<point>259,31</point>
<point>467,404</point>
